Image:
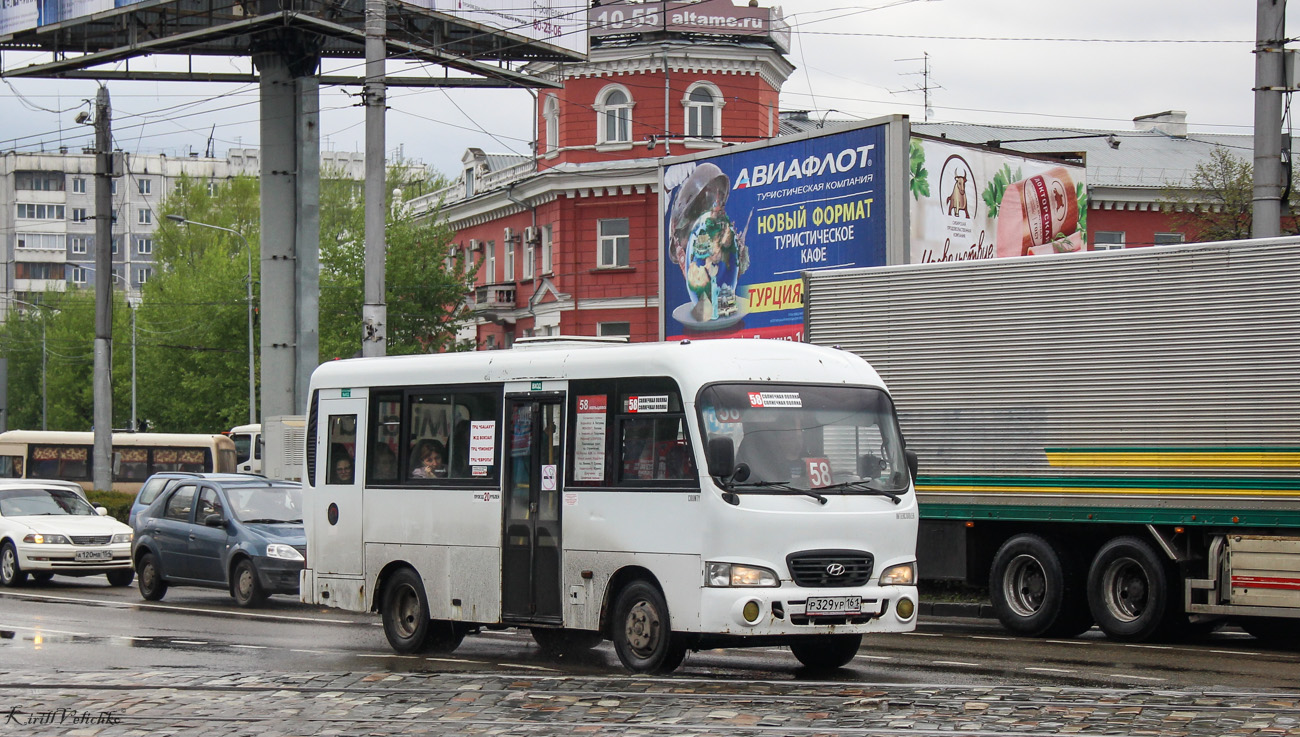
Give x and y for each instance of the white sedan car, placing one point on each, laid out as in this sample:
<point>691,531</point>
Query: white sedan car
<point>48,528</point>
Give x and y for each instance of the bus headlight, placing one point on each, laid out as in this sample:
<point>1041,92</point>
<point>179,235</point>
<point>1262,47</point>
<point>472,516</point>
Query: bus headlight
<point>283,552</point>
<point>40,539</point>
<point>734,574</point>
<point>903,574</point>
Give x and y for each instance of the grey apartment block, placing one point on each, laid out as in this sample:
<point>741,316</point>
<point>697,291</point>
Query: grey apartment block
<point>47,203</point>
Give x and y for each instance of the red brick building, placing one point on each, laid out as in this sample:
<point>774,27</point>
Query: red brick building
<point>568,239</point>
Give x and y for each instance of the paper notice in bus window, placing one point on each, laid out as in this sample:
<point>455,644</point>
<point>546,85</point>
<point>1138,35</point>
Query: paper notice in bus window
<point>775,399</point>
<point>650,403</point>
<point>482,442</point>
<point>589,449</point>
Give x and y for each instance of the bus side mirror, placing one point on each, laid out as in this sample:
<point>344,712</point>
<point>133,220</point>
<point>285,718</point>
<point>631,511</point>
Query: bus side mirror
<point>912,462</point>
<point>721,457</point>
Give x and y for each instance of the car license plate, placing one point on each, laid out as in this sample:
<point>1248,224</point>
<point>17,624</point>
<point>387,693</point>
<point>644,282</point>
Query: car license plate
<point>825,605</point>
<point>94,555</point>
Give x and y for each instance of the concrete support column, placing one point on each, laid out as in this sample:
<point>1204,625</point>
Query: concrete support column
<point>290,225</point>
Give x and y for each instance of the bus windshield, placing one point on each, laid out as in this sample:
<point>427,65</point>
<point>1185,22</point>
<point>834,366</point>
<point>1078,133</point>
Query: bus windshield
<point>799,437</point>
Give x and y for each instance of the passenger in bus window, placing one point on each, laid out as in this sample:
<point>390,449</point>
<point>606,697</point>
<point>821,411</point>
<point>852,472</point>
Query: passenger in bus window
<point>340,464</point>
<point>383,463</point>
<point>431,455</point>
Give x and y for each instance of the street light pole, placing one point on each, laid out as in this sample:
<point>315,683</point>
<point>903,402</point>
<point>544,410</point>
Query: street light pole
<point>252,385</point>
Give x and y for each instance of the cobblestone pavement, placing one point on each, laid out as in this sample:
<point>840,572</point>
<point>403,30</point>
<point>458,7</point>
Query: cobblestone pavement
<point>107,702</point>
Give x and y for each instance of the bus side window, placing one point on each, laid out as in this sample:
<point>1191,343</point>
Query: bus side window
<point>11,467</point>
<point>382,460</point>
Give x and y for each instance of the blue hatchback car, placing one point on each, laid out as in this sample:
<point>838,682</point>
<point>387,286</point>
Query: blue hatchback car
<point>234,532</point>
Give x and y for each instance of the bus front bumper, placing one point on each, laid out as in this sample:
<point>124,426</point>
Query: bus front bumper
<point>790,610</point>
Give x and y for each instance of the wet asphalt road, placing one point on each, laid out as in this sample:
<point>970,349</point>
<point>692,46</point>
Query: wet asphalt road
<point>82,659</point>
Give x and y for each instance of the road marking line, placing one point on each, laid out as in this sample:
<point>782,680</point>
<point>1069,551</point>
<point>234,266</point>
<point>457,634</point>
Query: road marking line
<point>529,667</point>
<point>1150,647</point>
<point>1049,670</point>
<point>188,642</point>
<point>873,657</point>
<point>384,655</point>
<point>1067,642</point>
<point>251,647</point>
<point>449,660</point>
<point>1140,678</point>
<point>990,637</point>
<point>174,607</point>
<point>924,634</point>
<point>1235,652</point>
<point>957,663</point>
<point>132,637</point>
<point>314,652</point>
<point>41,630</point>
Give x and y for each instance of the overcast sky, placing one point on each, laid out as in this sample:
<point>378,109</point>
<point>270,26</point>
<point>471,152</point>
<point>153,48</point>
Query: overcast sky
<point>1091,65</point>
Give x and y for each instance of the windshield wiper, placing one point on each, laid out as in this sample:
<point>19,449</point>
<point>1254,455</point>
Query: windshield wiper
<point>866,486</point>
<point>781,486</point>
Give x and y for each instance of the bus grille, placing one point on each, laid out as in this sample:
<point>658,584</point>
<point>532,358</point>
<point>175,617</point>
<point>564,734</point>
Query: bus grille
<point>831,568</point>
<point>91,539</point>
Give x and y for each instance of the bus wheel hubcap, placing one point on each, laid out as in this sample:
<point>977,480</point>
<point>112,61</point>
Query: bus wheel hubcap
<point>642,627</point>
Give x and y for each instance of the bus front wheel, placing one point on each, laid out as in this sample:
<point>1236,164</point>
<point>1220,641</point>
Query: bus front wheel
<point>642,632</point>
<point>406,612</point>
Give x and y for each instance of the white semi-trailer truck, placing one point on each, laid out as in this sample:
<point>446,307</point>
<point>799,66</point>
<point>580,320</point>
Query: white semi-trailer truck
<point>1107,437</point>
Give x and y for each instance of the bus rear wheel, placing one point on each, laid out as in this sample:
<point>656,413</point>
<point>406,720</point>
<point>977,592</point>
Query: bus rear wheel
<point>826,652</point>
<point>406,612</point>
<point>642,632</point>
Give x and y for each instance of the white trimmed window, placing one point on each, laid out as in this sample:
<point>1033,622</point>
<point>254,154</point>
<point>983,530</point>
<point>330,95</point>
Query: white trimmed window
<point>703,104</point>
<point>144,185</point>
<point>614,243</point>
<point>530,252</point>
<point>491,258</point>
<point>78,245</point>
<point>41,241</point>
<point>551,118</point>
<point>79,185</point>
<point>142,275</point>
<point>614,115</point>
<point>144,216</point>
<point>614,329</point>
<point>1108,240</point>
<point>508,257</point>
<point>78,214</point>
<point>546,249</point>
<point>77,275</point>
<point>144,246</point>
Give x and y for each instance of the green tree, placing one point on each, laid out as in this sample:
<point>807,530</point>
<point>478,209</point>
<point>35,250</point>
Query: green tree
<point>1215,205</point>
<point>425,289</point>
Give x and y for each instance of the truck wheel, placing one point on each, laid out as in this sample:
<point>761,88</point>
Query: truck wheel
<point>1129,590</point>
<point>406,612</point>
<point>641,631</point>
<point>826,652</point>
<point>1036,588</point>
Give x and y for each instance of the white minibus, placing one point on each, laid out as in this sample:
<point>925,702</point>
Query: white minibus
<point>666,496</point>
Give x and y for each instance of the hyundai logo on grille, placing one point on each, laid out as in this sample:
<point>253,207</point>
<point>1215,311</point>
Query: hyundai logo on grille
<point>835,569</point>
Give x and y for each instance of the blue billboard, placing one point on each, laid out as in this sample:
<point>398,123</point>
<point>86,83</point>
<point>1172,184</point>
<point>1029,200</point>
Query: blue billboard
<point>740,227</point>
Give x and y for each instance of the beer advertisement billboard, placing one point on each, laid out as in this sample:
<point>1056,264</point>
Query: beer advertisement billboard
<point>740,227</point>
<point>969,202</point>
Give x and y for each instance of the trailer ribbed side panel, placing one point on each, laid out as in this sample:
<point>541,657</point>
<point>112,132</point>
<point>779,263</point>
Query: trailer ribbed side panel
<point>1178,360</point>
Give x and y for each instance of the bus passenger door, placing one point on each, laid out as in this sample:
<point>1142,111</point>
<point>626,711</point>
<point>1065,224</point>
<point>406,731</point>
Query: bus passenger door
<point>335,547</point>
<point>530,561</point>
